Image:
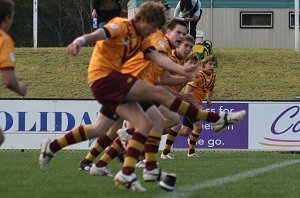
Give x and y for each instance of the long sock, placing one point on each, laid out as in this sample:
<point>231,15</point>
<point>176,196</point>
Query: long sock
<point>78,134</point>
<point>151,150</point>
<point>142,156</point>
<point>101,144</point>
<point>184,108</point>
<point>135,147</point>
<point>114,150</point>
<point>193,139</point>
<point>169,142</point>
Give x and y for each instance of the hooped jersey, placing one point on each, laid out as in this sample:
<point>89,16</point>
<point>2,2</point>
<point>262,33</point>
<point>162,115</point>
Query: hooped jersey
<point>145,69</point>
<point>122,43</point>
<point>154,71</point>
<point>7,53</point>
<point>202,84</point>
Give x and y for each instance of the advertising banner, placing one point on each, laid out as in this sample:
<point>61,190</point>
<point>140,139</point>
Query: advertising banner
<point>234,137</point>
<point>275,126</point>
<point>27,122</point>
<point>268,125</point>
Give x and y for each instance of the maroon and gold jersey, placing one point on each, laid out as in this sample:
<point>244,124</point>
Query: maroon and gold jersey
<point>202,84</point>
<point>176,59</point>
<point>7,53</point>
<point>179,61</point>
<point>123,43</point>
<point>154,71</point>
<point>144,69</point>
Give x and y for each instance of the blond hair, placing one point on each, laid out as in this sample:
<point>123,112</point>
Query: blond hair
<point>192,56</point>
<point>153,13</point>
<point>209,58</point>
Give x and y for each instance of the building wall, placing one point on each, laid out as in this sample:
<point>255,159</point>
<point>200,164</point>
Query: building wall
<point>222,26</point>
<point>221,23</point>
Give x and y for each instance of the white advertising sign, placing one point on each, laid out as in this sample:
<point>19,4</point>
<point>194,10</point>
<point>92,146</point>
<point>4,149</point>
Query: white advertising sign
<point>274,126</point>
<point>267,126</point>
<point>27,122</point>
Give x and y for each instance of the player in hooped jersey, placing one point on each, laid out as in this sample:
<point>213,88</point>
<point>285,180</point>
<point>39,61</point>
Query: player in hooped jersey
<point>117,41</point>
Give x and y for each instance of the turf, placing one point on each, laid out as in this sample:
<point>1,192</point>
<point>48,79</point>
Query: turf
<point>243,74</point>
<point>21,177</point>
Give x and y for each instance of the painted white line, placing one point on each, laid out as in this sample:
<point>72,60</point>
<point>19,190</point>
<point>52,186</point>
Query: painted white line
<point>186,191</point>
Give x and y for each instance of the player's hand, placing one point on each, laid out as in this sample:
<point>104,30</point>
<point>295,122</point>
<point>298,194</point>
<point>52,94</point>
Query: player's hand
<point>191,72</point>
<point>190,67</point>
<point>74,48</point>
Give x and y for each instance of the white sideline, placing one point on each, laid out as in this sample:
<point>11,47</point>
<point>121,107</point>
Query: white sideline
<point>186,191</point>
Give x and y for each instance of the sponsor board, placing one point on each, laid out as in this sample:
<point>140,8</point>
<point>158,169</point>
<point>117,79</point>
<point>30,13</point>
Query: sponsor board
<point>267,125</point>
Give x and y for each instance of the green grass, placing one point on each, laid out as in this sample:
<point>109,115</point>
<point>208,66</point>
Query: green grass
<point>21,177</point>
<point>243,74</point>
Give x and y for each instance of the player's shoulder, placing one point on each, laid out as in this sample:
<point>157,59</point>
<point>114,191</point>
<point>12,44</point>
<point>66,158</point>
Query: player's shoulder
<point>158,35</point>
<point>119,19</point>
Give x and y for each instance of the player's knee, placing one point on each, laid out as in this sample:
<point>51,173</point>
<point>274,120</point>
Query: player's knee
<point>146,125</point>
<point>197,127</point>
<point>158,124</point>
<point>184,132</point>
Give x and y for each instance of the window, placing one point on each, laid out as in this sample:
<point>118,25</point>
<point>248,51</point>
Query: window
<point>256,19</point>
<point>292,20</point>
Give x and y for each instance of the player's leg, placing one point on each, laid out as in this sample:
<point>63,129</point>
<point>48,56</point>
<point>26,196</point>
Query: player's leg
<point>126,178</point>
<point>151,171</point>
<point>79,134</point>
<point>101,167</point>
<point>197,127</point>
<point>171,136</point>
<point>171,128</point>
<point>142,91</point>
<point>116,149</point>
<point>171,118</point>
<point>102,141</point>
<point>101,144</point>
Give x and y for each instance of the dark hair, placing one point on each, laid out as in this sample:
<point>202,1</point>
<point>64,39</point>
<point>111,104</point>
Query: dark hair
<point>152,12</point>
<point>186,5</point>
<point>7,8</point>
<point>174,22</point>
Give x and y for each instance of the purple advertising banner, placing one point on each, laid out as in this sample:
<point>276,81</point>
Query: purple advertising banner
<point>234,137</point>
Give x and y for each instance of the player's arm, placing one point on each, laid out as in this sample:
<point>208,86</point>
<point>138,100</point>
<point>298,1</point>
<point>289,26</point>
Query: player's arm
<point>209,96</point>
<point>10,80</point>
<point>166,63</point>
<point>167,79</point>
<point>75,46</point>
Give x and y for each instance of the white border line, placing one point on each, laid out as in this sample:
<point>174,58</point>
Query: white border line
<point>186,191</point>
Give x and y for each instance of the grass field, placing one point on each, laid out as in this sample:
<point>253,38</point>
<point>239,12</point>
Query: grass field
<point>212,174</point>
<point>243,74</point>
